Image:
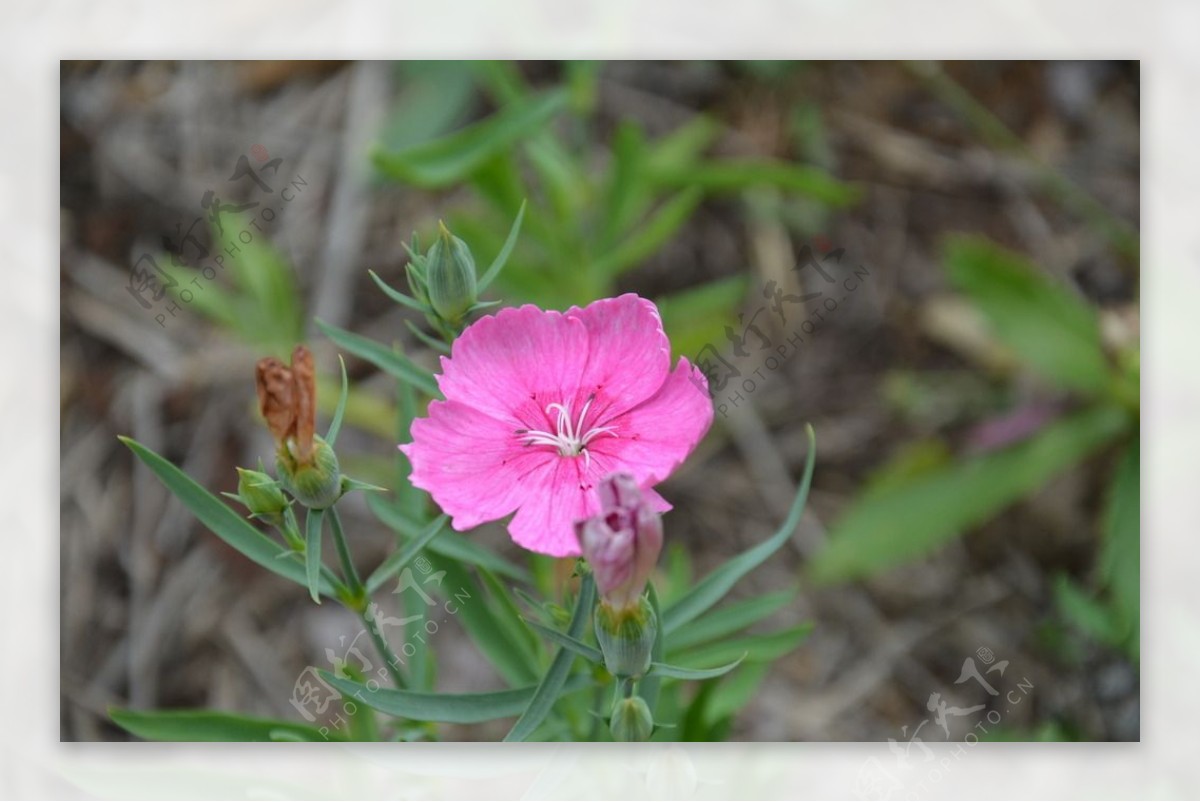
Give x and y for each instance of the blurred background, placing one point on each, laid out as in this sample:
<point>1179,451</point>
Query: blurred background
<point>969,538</point>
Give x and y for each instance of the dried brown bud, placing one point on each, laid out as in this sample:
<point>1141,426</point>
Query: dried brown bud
<point>287,398</point>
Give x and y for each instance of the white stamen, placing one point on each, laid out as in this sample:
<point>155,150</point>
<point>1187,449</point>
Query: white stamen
<point>569,437</point>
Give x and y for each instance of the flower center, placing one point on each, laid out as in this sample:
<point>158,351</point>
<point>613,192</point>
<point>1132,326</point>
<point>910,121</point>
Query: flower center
<point>569,437</point>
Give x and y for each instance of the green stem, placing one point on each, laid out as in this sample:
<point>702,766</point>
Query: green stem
<point>385,650</point>
<point>353,583</point>
<point>359,599</point>
<point>291,531</point>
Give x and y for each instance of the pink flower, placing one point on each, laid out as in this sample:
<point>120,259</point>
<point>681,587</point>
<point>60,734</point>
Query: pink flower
<point>540,406</point>
<point>622,541</point>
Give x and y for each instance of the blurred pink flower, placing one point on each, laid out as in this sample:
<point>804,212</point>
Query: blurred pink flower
<point>541,405</point>
<point>622,541</point>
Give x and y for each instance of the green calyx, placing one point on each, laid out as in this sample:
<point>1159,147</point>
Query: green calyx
<point>449,273</point>
<point>631,720</point>
<point>626,636</point>
<point>315,483</point>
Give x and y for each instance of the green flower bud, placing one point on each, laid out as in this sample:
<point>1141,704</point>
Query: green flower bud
<point>626,635</point>
<point>631,720</point>
<point>450,276</point>
<point>315,484</point>
<point>261,495</point>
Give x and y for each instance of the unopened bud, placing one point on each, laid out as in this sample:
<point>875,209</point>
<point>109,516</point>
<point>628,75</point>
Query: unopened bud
<point>261,495</point>
<point>622,542</point>
<point>450,276</point>
<point>317,483</point>
<point>631,720</point>
<point>626,636</point>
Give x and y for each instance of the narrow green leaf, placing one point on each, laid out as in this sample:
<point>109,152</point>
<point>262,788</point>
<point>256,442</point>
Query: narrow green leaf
<point>905,520</point>
<point>396,561</point>
<point>313,524</point>
<point>628,190</point>
<point>452,708</point>
<point>713,587</point>
<point>567,642</point>
<point>652,235</point>
<point>335,425</point>
<point>1053,330</point>
<point>752,648</point>
<point>551,686</point>
<point>224,522</point>
<point>452,158</point>
<point>505,251</point>
<point>1120,554</point>
<point>678,150</point>
<point>448,544</point>
<point>212,725</point>
<point>734,176</point>
<point>679,672</point>
<point>382,357</point>
<point>479,620</point>
<point>396,295</point>
<point>1087,613</point>
<point>434,344</point>
<point>509,619</point>
<point>730,619</point>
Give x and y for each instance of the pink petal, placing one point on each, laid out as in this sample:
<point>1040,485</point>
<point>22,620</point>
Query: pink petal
<point>512,364</point>
<point>653,438</point>
<point>471,463</point>
<point>628,356</point>
<point>556,497</point>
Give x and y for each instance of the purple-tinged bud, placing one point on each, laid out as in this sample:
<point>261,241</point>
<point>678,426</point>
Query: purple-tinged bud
<point>622,542</point>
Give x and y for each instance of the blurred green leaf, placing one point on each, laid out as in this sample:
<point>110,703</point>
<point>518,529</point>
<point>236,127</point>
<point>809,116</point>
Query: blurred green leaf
<point>735,176</point>
<point>213,725</point>
<point>551,686</point>
<point>651,236</point>
<point>382,357</point>
<point>225,523</point>
<point>697,316</point>
<point>713,587</point>
<point>433,97</point>
<point>1089,614</point>
<point>627,193</point>
<point>1054,331</point>
<point>1120,554</point>
<point>452,158</point>
<point>905,520</point>
<point>752,648</point>
<point>482,624</point>
<point>455,708</point>
<point>508,618</point>
<point>730,619</point>
<point>678,150</point>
